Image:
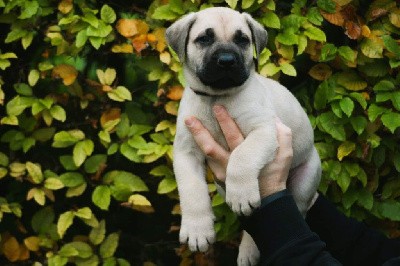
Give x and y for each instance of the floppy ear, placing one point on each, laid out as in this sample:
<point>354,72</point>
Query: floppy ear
<point>177,34</point>
<point>259,34</point>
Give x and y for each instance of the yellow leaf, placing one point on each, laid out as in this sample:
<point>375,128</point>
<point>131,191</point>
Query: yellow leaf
<point>345,149</point>
<point>140,203</point>
<point>65,6</point>
<point>175,92</point>
<point>171,108</point>
<point>110,115</point>
<point>66,72</point>
<point>395,18</point>
<point>165,57</point>
<point>32,243</point>
<point>11,249</point>
<point>352,81</point>
<point>23,253</point>
<point>320,71</point>
<point>365,31</point>
<point>176,210</point>
<point>139,42</point>
<point>131,27</point>
<point>124,48</point>
<point>160,37</point>
<point>127,27</point>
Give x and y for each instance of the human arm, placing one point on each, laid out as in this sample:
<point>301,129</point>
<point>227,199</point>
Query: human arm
<point>350,241</point>
<point>276,214</point>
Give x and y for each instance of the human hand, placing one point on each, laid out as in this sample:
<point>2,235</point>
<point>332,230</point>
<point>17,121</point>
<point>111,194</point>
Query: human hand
<point>272,178</point>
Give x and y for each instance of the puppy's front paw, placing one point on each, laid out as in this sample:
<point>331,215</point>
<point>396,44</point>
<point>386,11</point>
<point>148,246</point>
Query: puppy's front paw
<point>242,198</point>
<point>197,232</point>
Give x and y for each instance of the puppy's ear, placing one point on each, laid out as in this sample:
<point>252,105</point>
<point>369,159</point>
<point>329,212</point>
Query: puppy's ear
<point>177,34</point>
<point>259,34</point>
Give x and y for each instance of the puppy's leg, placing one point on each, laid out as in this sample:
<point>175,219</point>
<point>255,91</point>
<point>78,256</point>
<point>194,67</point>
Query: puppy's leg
<point>248,251</point>
<point>246,161</point>
<point>304,180</point>
<point>197,226</point>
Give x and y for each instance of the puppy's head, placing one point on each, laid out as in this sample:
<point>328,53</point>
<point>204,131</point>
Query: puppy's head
<point>216,44</point>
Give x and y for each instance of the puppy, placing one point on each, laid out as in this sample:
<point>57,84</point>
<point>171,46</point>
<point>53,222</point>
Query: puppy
<point>216,47</point>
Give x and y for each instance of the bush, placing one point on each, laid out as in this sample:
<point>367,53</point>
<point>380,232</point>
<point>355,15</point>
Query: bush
<point>89,93</point>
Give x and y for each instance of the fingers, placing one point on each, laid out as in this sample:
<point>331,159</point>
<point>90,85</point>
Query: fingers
<point>284,135</point>
<point>206,142</point>
<point>230,129</point>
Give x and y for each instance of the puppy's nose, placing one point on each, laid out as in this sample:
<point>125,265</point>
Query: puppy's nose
<point>226,59</point>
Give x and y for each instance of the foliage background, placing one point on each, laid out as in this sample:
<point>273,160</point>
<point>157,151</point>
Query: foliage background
<point>88,98</point>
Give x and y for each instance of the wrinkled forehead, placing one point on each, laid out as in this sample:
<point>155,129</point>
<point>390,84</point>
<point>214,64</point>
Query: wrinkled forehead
<point>224,25</point>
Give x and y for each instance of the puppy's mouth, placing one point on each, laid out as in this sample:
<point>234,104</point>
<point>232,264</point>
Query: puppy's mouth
<point>224,70</point>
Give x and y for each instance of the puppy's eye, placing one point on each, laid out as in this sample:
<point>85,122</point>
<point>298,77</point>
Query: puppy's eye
<point>204,40</point>
<point>242,40</point>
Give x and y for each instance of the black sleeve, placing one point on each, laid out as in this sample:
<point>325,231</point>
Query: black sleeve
<point>283,236</point>
<point>350,241</point>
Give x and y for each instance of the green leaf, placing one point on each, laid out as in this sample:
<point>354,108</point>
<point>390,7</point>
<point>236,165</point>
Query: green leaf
<point>15,34</point>
<point>371,48</point>
<point>33,77</point>
<point>35,172</point>
<point>27,40</point>
<point>391,121</point>
<point>122,178</point>
<point>391,45</point>
<point>247,3</point>
<point>288,37</point>
<point>94,163</point>
<point>82,149</point>
<point>23,89</point>
<point>331,125</point>
<point>347,106</point>
<point>107,14</point>
<point>384,85</point>
<point>359,123</point>
<point>90,18</point>
<point>72,179</point>
<point>53,183</point>
<point>120,94</point>
<point>359,98</point>
<point>166,185</point>
<point>315,33</point>
<point>67,162</point>
<point>68,251</point>
<point>345,149</point>
<point>232,3</point>
<point>18,104</point>
<point>327,5</point>
<point>162,170</point>
<point>348,54</point>
<point>365,199</point>
<point>390,209</point>
<point>288,69</point>
<point>343,180</point>
<point>64,222</point>
<point>101,197</point>
<point>81,38</point>
<point>328,52</point>
<point>42,220</point>
<point>84,213</point>
<point>30,8</point>
<point>58,113</point>
<point>130,153</point>
<point>109,246</point>
<point>64,139</point>
<point>271,20</point>
<point>217,200</point>
<point>164,13</point>
<point>374,111</point>
<point>97,234</point>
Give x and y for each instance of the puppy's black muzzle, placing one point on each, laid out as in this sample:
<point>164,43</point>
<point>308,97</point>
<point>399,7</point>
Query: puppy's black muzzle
<point>225,59</point>
<point>223,69</point>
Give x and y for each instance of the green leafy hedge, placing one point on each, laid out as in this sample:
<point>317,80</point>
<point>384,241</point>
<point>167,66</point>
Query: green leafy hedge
<point>88,97</point>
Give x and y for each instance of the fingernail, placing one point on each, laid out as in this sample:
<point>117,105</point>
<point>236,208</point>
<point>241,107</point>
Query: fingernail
<point>190,121</point>
<point>218,109</point>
